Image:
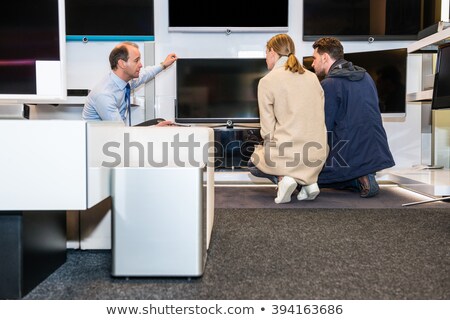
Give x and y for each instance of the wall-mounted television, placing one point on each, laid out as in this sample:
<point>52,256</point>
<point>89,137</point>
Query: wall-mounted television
<point>218,90</point>
<point>228,16</point>
<point>388,70</point>
<point>32,51</point>
<point>441,89</point>
<point>109,20</point>
<point>362,19</point>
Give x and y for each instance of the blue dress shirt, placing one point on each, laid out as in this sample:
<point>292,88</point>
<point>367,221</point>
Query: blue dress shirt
<point>107,100</point>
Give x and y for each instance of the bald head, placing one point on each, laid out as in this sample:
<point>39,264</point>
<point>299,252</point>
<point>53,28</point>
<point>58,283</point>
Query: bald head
<point>120,52</point>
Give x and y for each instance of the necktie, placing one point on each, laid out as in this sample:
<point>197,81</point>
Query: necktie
<point>127,101</point>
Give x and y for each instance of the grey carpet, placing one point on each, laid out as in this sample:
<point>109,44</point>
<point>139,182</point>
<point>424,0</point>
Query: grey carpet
<point>289,254</point>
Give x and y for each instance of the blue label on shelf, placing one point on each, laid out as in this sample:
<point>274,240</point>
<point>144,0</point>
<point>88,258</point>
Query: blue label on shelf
<point>109,38</point>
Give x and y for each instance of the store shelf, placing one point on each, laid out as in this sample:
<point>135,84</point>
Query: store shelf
<point>430,43</point>
<point>422,96</point>
<point>69,100</point>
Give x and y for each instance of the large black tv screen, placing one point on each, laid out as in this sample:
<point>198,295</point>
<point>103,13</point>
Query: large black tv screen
<point>235,15</point>
<point>109,18</point>
<point>388,70</point>
<point>362,19</point>
<point>441,89</point>
<point>218,90</point>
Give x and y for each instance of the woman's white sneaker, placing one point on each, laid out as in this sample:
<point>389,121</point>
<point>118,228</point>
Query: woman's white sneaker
<point>285,189</point>
<point>309,192</point>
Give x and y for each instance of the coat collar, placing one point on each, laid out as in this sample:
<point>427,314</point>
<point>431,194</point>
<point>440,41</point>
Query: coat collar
<point>281,62</point>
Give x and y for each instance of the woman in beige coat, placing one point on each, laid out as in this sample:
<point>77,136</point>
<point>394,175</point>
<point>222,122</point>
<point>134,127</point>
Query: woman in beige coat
<point>291,107</point>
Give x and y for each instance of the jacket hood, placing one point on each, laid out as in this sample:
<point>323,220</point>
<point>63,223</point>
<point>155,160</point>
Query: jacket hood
<point>345,69</point>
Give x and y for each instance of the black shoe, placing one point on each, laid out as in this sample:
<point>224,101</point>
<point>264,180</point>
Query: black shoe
<point>368,186</point>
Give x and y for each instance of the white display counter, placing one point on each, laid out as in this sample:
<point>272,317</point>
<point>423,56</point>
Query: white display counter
<point>51,166</point>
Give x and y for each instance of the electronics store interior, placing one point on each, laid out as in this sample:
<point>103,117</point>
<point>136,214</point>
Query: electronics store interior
<point>177,208</point>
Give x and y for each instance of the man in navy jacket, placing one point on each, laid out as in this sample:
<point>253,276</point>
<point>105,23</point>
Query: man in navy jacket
<point>356,137</point>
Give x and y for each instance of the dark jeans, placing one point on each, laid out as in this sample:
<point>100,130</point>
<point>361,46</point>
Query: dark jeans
<point>258,173</point>
<point>349,184</point>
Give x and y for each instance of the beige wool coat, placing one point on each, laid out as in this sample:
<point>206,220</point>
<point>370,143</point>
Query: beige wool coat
<point>291,107</point>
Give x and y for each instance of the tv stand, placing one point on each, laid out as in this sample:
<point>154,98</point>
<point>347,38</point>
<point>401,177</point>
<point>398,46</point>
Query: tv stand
<point>234,146</point>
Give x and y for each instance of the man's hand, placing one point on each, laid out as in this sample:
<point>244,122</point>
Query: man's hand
<point>164,123</point>
<point>170,59</point>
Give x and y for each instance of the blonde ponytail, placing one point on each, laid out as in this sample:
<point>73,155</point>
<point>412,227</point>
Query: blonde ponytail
<point>283,45</point>
<point>293,64</point>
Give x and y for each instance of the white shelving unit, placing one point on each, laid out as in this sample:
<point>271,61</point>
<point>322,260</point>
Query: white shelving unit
<point>421,96</point>
<point>428,44</point>
<point>440,127</point>
<point>431,42</point>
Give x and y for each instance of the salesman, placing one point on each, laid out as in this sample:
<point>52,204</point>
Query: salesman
<point>110,98</point>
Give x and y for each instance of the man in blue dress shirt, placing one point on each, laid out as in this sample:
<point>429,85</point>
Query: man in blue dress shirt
<point>107,100</point>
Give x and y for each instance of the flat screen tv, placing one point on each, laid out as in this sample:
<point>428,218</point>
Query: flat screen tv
<point>441,89</point>
<point>109,20</point>
<point>228,16</point>
<point>218,90</point>
<point>388,70</point>
<point>362,19</point>
<point>32,51</point>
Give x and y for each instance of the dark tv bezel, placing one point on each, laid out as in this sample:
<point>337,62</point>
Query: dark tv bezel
<point>438,103</point>
<point>225,121</point>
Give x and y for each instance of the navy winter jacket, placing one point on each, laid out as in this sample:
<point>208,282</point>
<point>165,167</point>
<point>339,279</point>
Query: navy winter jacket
<point>356,137</point>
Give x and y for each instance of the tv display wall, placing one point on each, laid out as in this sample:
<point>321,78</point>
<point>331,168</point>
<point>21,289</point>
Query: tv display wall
<point>231,15</point>
<point>388,70</point>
